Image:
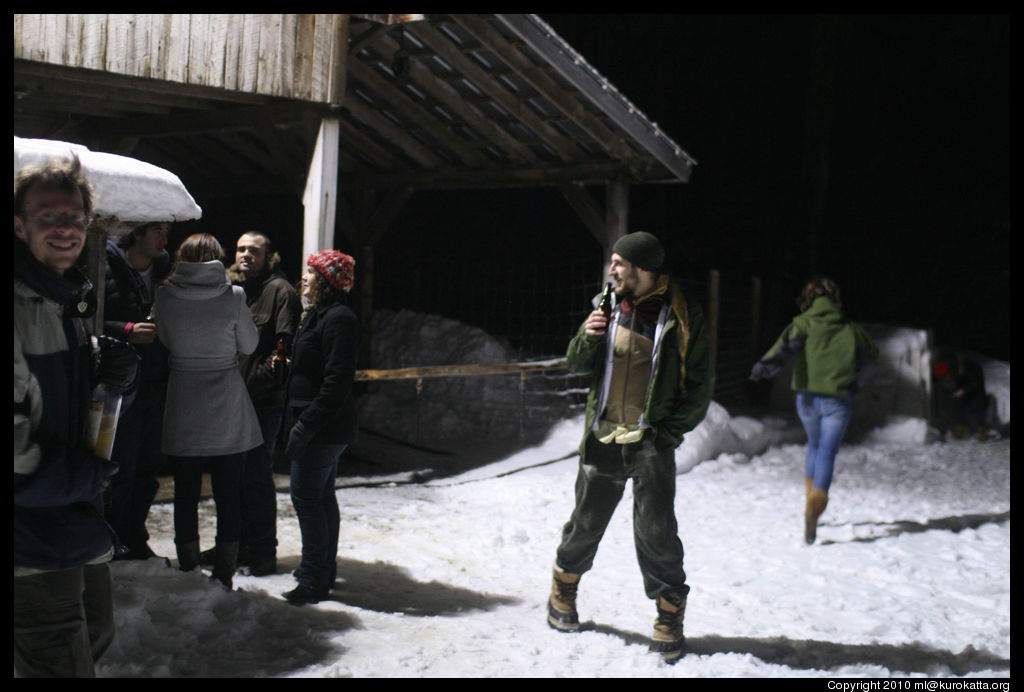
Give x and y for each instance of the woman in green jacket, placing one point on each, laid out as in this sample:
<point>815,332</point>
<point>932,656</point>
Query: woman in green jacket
<point>830,354</point>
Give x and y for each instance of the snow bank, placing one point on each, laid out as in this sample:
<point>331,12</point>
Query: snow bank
<point>128,191</point>
<point>719,433</point>
<point>448,407</point>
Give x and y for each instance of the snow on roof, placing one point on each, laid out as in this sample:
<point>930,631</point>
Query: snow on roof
<point>128,191</point>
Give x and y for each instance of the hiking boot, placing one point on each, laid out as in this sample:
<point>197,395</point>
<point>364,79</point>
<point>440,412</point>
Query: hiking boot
<point>817,500</point>
<point>562,614</point>
<point>668,639</point>
<point>303,595</point>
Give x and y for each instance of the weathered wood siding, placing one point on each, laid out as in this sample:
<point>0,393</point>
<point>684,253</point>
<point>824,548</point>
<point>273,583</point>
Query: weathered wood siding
<point>299,56</point>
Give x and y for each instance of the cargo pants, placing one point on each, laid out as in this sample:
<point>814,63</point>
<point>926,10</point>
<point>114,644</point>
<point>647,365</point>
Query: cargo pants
<point>63,622</point>
<point>600,482</point>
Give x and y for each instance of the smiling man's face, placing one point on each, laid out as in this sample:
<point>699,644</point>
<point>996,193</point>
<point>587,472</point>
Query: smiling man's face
<point>52,225</point>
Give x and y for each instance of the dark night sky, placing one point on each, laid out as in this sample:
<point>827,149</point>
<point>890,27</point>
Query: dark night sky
<point>916,219</point>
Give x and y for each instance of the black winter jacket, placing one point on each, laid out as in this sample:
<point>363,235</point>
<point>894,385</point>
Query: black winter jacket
<point>127,300</point>
<point>58,485</point>
<point>324,356</point>
<point>275,310</point>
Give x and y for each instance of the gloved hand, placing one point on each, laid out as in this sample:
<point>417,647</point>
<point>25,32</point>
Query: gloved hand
<point>298,440</point>
<point>763,371</point>
<point>118,363</point>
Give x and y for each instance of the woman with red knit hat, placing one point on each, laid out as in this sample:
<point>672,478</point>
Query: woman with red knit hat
<point>321,417</point>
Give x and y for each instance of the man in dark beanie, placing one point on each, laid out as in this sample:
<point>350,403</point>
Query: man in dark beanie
<point>651,384</point>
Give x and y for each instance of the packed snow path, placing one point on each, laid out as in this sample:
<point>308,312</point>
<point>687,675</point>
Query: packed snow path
<point>910,577</point>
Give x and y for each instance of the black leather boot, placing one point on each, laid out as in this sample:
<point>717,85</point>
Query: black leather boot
<point>225,563</point>
<point>188,555</point>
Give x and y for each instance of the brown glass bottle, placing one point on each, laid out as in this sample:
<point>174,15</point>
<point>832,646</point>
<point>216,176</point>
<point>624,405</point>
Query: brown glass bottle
<point>605,305</point>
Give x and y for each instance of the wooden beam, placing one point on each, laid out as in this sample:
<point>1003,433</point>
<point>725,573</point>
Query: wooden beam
<point>567,63</point>
<point>411,111</point>
<point>590,173</point>
<point>214,121</point>
<point>98,79</point>
<point>353,138</point>
<point>588,211</point>
<point>566,101</point>
<point>385,213</point>
<point>374,32</point>
<point>415,150</point>
<point>469,370</point>
<point>485,82</point>
<point>449,98</point>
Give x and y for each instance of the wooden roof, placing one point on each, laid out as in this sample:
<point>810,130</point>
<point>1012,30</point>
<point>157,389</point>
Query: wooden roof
<point>452,101</point>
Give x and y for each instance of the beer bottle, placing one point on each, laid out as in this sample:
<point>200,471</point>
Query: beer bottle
<point>280,363</point>
<point>605,305</point>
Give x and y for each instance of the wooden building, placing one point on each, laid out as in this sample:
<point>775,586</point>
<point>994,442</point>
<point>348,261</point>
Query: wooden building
<point>351,114</point>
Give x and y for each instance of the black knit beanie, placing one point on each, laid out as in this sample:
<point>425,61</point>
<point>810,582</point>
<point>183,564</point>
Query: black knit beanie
<point>640,249</point>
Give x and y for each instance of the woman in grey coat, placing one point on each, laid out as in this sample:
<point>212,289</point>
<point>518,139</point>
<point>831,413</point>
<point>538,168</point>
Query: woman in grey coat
<point>208,416</point>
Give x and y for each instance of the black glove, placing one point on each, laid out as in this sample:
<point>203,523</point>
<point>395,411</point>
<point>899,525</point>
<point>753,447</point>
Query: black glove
<point>298,439</point>
<point>118,363</point>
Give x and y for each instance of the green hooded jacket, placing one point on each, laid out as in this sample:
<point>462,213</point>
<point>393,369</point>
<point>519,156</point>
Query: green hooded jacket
<point>674,405</point>
<point>831,352</point>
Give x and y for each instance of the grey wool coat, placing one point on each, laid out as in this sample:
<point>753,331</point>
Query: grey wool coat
<point>204,322</point>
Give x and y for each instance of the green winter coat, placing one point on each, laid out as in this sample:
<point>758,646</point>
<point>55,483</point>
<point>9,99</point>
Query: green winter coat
<point>673,405</point>
<point>830,351</point>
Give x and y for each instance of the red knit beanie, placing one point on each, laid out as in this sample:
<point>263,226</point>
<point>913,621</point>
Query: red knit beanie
<point>337,267</point>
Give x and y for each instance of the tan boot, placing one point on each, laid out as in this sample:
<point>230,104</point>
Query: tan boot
<point>817,500</point>
<point>668,639</point>
<point>808,484</point>
<point>562,613</point>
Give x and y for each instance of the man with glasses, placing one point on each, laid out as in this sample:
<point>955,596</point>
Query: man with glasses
<point>63,611</point>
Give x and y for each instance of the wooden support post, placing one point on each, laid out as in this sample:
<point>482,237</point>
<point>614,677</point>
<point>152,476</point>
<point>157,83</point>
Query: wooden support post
<point>321,193</point>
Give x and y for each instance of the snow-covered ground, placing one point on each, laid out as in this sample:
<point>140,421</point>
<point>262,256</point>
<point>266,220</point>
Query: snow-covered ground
<point>910,577</point>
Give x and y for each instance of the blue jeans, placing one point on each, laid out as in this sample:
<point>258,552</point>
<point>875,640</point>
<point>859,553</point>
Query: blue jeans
<point>825,419</point>
<point>316,506</point>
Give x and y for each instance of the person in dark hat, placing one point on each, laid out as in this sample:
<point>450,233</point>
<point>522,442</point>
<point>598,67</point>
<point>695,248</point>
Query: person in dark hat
<point>137,263</point>
<point>651,383</point>
<point>320,415</point>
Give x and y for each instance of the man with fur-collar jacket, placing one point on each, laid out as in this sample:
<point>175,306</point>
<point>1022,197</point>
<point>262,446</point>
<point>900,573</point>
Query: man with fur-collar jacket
<point>137,263</point>
<point>650,385</point>
<point>276,310</point>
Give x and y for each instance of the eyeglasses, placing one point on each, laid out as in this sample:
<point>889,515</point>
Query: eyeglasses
<point>48,219</point>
